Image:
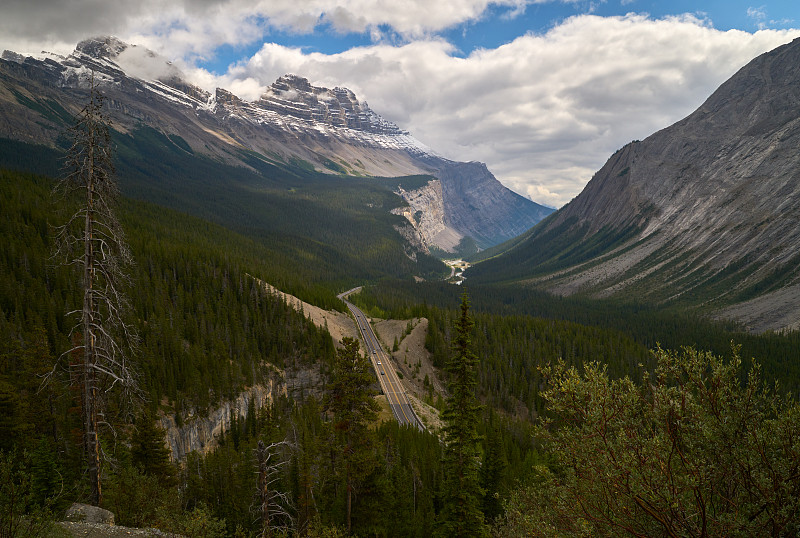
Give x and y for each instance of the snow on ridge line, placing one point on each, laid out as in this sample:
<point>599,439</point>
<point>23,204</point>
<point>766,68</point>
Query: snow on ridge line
<point>80,66</point>
<point>402,141</point>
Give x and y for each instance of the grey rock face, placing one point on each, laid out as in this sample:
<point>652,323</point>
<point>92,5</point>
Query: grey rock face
<point>201,431</point>
<point>714,200</point>
<point>86,513</point>
<point>477,205</point>
<point>425,213</point>
<point>295,96</point>
<point>467,201</point>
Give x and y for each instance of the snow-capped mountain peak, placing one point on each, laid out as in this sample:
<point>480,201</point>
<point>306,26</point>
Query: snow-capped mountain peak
<point>292,124</point>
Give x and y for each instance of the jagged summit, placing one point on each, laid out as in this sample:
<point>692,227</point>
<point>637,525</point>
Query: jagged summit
<point>108,47</point>
<point>294,95</point>
<point>289,95</point>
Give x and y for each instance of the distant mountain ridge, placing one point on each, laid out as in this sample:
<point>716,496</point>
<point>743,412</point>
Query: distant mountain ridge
<point>292,123</point>
<point>703,213</point>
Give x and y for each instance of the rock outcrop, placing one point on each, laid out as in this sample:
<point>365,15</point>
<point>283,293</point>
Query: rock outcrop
<point>202,432</point>
<point>291,95</point>
<point>86,513</point>
<point>472,196</point>
<point>425,212</point>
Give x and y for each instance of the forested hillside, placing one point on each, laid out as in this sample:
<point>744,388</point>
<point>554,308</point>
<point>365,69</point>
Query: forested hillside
<point>208,330</point>
<point>320,231</point>
<point>206,327</point>
<point>540,328</point>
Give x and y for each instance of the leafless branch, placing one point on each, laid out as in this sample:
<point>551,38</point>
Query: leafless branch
<point>92,239</point>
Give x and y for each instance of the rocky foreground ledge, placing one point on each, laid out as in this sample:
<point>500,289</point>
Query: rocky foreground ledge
<point>90,521</point>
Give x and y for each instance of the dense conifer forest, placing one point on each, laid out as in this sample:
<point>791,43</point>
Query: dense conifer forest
<point>623,333</point>
<point>206,326</point>
<point>322,233</point>
<point>208,330</point>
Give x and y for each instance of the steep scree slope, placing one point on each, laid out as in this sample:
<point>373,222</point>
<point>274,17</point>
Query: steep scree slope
<point>703,213</point>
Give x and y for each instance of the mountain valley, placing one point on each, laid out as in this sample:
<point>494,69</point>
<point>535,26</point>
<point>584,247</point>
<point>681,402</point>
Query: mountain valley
<point>589,354</point>
<point>294,125</point>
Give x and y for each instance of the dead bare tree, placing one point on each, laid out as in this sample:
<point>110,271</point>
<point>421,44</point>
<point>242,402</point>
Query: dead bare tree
<point>272,506</point>
<point>93,241</point>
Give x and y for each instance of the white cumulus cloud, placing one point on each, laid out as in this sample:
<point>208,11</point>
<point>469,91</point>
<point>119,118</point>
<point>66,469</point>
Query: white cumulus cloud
<point>544,111</point>
<point>195,28</point>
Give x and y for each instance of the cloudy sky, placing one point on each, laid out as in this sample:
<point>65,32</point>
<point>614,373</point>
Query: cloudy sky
<point>543,91</point>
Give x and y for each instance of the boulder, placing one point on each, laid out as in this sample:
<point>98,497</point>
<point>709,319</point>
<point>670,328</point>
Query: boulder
<point>86,513</point>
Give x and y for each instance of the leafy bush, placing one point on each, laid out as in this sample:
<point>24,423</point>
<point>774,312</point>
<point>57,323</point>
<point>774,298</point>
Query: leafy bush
<point>20,514</point>
<point>692,451</point>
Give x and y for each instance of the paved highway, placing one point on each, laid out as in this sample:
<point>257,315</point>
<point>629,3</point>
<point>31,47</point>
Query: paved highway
<point>387,376</point>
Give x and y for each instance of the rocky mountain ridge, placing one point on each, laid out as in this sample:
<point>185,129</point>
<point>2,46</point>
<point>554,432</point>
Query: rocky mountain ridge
<point>293,122</point>
<point>705,212</point>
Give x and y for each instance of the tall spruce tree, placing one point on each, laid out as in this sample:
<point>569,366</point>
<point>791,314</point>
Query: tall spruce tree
<point>350,400</point>
<point>492,468</point>
<point>461,513</point>
<point>92,240</point>
<point>149,451</point>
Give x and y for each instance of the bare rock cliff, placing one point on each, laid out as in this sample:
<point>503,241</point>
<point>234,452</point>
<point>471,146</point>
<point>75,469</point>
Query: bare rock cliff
<point>705,212</point>
<point>477,205</point>
<point>425,212</point>
<point>200,431</point>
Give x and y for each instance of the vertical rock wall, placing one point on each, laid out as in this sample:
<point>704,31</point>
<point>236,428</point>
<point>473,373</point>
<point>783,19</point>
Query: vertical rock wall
<point>202,432</point>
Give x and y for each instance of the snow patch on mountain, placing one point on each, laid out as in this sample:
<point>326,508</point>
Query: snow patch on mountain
<point>291,103</point>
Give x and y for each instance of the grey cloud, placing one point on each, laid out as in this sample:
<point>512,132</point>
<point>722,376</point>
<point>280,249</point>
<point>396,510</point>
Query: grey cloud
<point>66,21</point>
<point>142,63</point>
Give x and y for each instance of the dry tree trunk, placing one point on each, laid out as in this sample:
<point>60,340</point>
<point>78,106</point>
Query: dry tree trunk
<point>272,506</point>
<point>92,239</point>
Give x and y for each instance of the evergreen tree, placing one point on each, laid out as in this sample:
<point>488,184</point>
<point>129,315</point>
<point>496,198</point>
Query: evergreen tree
<point>46,479</point>
<point>492,469</point>
<point>19,513</point>
<point>462,495</point>
<point>350,401</point>
<point>9,404</point>
<point>149,451</point>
